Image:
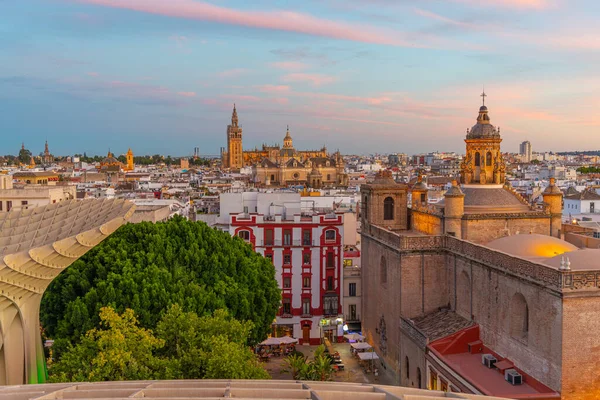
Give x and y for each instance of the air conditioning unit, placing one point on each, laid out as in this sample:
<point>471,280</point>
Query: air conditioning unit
<point>488,360</point>
<point>513,377</point>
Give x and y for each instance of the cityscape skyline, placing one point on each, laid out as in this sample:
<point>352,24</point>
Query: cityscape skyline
<point>89,75</point>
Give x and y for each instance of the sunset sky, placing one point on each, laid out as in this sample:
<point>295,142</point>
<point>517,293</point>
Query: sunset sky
<point>364,76</point>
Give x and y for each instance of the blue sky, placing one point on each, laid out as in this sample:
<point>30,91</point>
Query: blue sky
<point>161,76</point>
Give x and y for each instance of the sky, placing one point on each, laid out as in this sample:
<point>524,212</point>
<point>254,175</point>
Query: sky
<point>361,76</point>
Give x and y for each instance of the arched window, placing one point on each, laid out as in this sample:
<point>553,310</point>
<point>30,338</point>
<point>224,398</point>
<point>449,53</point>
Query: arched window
<point>366,208</point>
<point>330,235</point>
<point>245,235</point>
<point>477,159</point>
<point>388,209</point>
<point>519,317</point>
<point>407,367</point>
<point>463,298</point>
<point>383,270</point>
<point>419,385</point>
<point>488,159</point>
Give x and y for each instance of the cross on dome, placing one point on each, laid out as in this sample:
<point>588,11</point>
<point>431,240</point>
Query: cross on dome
<point>483,96</point>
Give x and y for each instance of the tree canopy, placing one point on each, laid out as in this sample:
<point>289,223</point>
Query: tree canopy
<point>148,267</point>
<point>185,346</point>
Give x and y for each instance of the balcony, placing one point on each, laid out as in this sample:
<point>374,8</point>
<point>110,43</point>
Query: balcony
<point>286,243</point>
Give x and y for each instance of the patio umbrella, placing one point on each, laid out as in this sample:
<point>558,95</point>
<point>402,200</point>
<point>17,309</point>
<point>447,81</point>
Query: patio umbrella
<point>361,346</point>
<point>271,342</point>
<point>287,340</point>
<point>371,355</point>
<point>354,336</point>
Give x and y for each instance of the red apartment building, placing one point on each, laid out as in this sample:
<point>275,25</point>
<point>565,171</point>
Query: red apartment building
<point>306,249</point>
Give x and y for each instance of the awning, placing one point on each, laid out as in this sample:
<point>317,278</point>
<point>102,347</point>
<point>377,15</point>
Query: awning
<point>371,355</point>
<point>271,342</point>
<point>287,340</point>
<point>361,346</point>
<point>354,336</point>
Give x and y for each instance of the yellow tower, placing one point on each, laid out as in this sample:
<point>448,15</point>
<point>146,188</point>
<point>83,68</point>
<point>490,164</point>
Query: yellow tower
<point>130,164</point>
<point>454,210</point>
<point>553,199</point>
<point>235,155</point>
<point>483,163</point>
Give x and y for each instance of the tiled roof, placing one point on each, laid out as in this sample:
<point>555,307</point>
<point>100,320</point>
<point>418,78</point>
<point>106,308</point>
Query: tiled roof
<point>441,323</point>
<point>585,195</point>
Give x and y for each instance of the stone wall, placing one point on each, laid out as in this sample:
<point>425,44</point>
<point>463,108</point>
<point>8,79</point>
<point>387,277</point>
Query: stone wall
<point>426,222</point>
<point>478,283</point>
<point>486,229</point>
<point>581,359</point>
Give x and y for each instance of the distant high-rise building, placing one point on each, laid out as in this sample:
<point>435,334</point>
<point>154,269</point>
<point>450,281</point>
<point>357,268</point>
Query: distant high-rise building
<point>525,151</point>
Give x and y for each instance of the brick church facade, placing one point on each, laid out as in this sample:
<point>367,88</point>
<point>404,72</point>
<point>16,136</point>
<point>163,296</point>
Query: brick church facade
<point>481,275</point>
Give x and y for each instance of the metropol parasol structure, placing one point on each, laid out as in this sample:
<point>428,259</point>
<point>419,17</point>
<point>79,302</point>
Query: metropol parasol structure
<point>36,244</point>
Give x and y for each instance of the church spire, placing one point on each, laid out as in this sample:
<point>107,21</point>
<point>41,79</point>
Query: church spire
<point>234,116</point>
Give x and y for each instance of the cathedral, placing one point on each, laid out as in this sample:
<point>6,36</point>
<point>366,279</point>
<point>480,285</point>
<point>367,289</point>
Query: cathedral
<point>283,166</point>
<point>478,293</point>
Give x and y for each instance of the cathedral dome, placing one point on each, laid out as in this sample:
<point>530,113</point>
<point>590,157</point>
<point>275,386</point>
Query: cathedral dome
<point>483,129</point>
<point>532,245</point>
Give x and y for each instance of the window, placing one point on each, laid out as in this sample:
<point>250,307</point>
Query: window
<point>352,316</point>
<point>433,379</point>
<point>330,260</point>
<point>352,289</point>
<point>488,159</point>
<point>245,235</point>
<point>287,282</point>
<point>366,207</point>
<point>272,178</point>
<point>330,235</point>
<point>0,206</point>
<point>383,270</point>
<point>287,305</point>
<point>330,283</point>
<point>8,205</point>
<point>269,257</point>
<point>477,159</point>
<point>419,384</point>
<point>306,237</point>
<point>306,282</point>
<point>444,385</point>
<point>24,202</point>
<point>287,237</point>
<point>330,305</point>
<point>328,177</point>
<point>388,209</point>
<point>306,258</point>
<point>287,259</point>
<point>306,306</point>
<point>423,198</point>
<point>269,237</point>
<point>407,367</point>
<point>519,317</point>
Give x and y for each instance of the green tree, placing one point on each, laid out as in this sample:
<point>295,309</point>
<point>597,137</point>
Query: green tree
<point>24,156</point>
<point>118,350</point>
<point>148,267</point>
<point>320,368</point>
<point>185,346</point>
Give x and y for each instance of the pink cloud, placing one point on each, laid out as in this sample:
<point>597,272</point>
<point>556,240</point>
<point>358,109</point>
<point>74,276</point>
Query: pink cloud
<point>187,94</point>
<point>290,65</point>
<point>92,74</point>
<point>232,73</point>
<point>313,79</point>
<point>274,88</point>
<point>287,21</point>
<point>432,15</point>
<point>281,100</point>
<point>518,4</point>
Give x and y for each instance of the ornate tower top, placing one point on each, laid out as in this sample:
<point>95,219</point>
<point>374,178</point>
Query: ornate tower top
<point>287,140</point>
<point>234,117</point>
<point>46,151</point>
<point>483,129</point>
<point>129,152</point>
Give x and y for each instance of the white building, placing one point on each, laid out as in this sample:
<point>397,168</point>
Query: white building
<point>306,249</point>
<point>28,196</point>
<point>586,202</point>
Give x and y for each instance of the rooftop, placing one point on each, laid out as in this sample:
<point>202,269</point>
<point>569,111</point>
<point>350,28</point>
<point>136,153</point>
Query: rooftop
<point>453,351</point>
<point>441,323</point>
<point>243,389</point>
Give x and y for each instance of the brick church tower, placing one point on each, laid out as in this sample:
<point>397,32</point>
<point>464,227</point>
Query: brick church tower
<point>234,158</point>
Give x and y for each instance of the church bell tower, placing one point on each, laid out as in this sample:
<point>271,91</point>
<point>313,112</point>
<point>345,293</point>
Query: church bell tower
<point>235,156</point>
<point>483,163</point>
